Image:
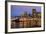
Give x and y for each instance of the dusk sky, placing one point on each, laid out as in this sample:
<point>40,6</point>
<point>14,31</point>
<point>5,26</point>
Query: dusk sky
<point>18,10</point>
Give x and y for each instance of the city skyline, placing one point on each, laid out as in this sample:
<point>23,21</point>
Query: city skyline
<point>18,10</point>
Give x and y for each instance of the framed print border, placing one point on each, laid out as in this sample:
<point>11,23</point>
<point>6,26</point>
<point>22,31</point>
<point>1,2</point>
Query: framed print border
<point>6,16</point>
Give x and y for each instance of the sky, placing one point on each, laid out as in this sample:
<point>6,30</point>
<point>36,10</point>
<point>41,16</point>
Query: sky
<point>17,10</point>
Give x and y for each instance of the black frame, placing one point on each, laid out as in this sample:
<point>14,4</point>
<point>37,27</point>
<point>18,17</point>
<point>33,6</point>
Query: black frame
<point>6,30</point>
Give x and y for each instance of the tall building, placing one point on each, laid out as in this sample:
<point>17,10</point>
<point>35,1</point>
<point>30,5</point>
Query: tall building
<point>34,12</point>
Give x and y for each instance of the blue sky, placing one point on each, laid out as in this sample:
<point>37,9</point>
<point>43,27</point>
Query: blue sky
<point>18,10</point>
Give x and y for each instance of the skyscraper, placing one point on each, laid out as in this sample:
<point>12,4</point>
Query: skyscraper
<point>34,12</point>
